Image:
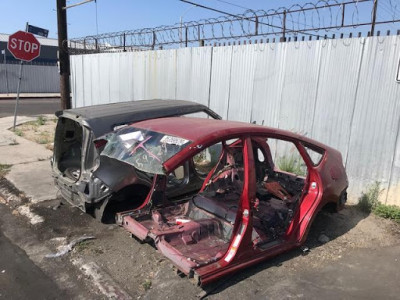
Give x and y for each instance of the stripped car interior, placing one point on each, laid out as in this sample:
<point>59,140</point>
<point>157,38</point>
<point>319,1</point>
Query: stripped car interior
<point>243,208</point>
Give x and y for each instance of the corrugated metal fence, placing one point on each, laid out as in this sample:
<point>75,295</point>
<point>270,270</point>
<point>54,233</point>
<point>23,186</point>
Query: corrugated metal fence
<point>340,92</point>
<point>35,79</point>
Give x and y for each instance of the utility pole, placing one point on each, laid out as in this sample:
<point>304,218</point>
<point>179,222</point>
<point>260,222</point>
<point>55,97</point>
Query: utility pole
<point>374,9</point>
<point>63,55</point>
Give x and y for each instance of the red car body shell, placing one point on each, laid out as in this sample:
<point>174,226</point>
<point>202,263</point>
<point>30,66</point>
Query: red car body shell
<point>325,183</point>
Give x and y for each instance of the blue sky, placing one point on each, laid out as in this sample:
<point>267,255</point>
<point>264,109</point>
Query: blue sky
<point>118,15</point>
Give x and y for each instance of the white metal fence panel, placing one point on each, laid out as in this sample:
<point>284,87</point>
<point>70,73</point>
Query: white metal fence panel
<point>242,79</point>
<point>374,128</point>
<point>340,92</point>
<point>220,80</point>
<point>160,74</point>
<point>337,87</point>
<point>300,85</point>
<point>193,74</point>
<point>268,83</point>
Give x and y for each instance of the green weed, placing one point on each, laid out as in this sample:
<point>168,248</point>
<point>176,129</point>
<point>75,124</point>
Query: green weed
<point>82,246</point>
<point>388,212</point>
<point>147,284</point>
<point>41,120</point>
<point>369,200</point>
<point>4,169</point>
<point>292,164</point>
<point>18,132</point>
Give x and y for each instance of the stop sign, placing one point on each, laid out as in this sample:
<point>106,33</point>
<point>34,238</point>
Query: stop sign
<point>23,45</point>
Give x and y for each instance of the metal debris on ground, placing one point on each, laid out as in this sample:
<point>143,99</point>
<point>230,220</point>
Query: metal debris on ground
<point>67,248</point>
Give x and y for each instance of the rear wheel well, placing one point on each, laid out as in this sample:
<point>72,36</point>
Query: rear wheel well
<point>130,197</point>
<point>338,204</point>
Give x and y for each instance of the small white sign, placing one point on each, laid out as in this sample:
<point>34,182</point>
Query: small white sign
<point>173,140</point>
<point>136,135</point>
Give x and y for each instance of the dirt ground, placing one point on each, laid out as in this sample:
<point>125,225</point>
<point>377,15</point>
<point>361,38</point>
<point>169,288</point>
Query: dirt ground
<point>40,131</point>
<point>144,273</point>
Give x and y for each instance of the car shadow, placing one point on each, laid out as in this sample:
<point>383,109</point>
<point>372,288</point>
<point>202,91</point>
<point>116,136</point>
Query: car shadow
<point>331,225</point>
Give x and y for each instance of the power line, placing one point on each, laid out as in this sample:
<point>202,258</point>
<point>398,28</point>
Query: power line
<point>227,2</point>
<point>249,19</point>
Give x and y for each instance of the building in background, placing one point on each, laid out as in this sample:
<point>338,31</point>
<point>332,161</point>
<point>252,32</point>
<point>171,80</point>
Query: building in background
<point>48,51</point>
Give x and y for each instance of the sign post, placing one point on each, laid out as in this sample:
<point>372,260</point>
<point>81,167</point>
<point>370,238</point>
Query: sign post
<point>25,47</point>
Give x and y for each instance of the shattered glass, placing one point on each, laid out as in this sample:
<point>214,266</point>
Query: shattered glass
<point>143,149</point>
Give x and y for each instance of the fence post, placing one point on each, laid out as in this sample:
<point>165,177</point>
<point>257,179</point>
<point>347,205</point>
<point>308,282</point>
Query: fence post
<point>154,41</point>
<point>256,25</point>
<point>374,9</point>
<point>343,11</point>
<point>124,42</point>
<point>283,38</point>
<point>186,36</point>
<point>201,42</point>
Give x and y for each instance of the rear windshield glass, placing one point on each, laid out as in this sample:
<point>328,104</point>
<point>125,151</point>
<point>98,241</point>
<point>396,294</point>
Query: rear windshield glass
<point>143,149</point>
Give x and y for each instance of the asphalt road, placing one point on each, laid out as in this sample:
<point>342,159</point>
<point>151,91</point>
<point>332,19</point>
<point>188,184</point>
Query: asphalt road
<point>20,278</point>
<point>29,106</point>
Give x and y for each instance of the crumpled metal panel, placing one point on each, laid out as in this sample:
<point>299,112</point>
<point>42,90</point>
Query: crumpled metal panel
<point>374,129</point>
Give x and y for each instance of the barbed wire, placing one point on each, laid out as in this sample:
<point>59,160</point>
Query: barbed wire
<point>310,19</point>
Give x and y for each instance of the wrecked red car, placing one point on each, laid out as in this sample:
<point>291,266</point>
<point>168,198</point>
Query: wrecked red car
<point>261,189</point>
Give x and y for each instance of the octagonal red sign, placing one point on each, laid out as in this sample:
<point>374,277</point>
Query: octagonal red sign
<point>23,45</point>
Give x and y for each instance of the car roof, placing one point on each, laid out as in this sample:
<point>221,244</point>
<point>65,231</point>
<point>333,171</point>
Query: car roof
<point>204,131</point>
<point>103,118</point>
<point>194,128</point>
<point>200,129</point>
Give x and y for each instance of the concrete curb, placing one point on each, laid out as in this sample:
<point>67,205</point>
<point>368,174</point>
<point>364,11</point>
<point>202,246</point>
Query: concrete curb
<point>30,95</point>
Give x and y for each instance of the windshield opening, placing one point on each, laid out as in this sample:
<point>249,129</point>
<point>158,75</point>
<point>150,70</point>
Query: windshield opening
<point>143,149</point>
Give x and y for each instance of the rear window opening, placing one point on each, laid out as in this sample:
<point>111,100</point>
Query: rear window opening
<point>68,148</point>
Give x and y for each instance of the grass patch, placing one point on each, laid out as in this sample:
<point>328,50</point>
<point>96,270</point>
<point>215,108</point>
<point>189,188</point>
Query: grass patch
<point>44,138</point>
<point>42,141</point>
<point>82,246</point>
<point>370,199</point>
<point>4,169</point>
<point>292,164</point>
<point>391,212</point>
<point>40,131</point>
<point>369,202</point>
<point>41,120</point>
<point>18,132</point>
<point>147,284</point>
